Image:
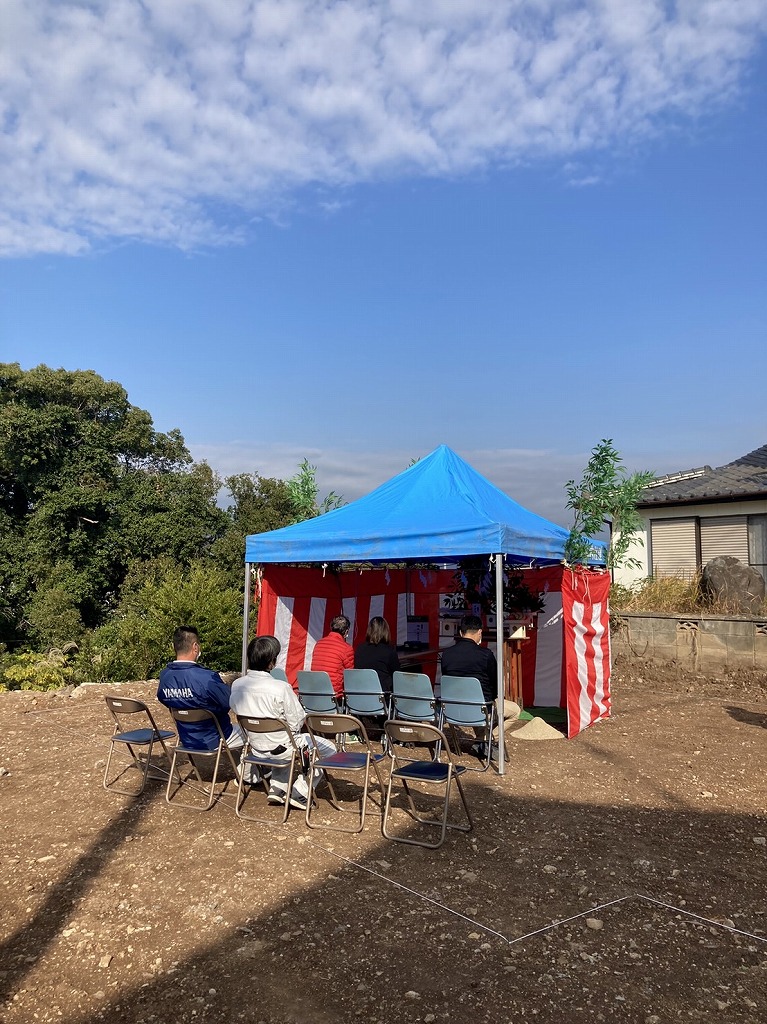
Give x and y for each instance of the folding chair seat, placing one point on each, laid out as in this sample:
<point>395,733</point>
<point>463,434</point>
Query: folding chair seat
<point>189,717</point>
<point>134,740</point>
<point>316,694</point>
<point>361,759</point>
<point>413,698</point>
<point>364,695</point>
<point>464,705</point>
<point>438,772</point>
<point>270,760</point>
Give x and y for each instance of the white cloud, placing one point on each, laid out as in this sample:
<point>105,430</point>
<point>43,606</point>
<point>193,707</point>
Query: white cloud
<point>534,478</point>
<point>136,118</point>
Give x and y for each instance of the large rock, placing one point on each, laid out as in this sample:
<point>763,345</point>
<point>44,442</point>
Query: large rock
<point>729,582</point>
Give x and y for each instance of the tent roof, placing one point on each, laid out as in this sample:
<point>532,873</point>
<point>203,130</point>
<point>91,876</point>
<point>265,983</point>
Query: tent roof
<point>439,508</point>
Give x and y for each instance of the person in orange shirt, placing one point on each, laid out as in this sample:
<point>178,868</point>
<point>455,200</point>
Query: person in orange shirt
<point>332,654</point>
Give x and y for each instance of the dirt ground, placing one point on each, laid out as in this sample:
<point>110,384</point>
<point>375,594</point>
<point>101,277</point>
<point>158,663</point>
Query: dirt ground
<point>645,838</point>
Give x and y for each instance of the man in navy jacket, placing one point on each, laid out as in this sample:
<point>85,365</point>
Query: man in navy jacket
<point>185,684</point>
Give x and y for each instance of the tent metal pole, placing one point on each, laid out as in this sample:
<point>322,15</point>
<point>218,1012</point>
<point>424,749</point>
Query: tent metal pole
<point>246,619</point>
<point>500,660</point>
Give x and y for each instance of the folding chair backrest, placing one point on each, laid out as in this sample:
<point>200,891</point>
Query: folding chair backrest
<point>315,691</point>
<point>363,694</point>
<point>279,673</point>
<point>413,697</point>
<point>257,725</point>
<point>127,706</point>
<point>195,715</point>
<point>332,726</point>
<point>462,701</point>
<point>400,732</point>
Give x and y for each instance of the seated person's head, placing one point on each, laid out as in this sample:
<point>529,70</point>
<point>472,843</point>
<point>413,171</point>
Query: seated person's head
<point>263,652</point>
<point>471,625</point>
<point>340,624</point>
<point>378,631</point>
<point>186,642</point>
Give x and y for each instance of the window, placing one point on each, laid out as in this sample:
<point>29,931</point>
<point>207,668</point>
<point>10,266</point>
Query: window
<point>724,535</point>
<point>674,547</point>
<point>680,547</point>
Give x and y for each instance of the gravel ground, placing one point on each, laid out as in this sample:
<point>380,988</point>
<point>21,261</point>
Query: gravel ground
<point>645,837</point>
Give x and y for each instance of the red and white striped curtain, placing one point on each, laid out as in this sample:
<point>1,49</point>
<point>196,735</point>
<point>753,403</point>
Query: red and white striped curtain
<point>565,663</point>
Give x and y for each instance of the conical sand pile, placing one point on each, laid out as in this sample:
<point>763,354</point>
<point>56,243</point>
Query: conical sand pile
<point>535,729</point>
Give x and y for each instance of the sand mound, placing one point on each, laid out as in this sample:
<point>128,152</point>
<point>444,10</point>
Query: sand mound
<point>535,729</point>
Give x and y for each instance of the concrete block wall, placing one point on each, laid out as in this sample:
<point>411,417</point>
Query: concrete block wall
<point>694,642</point>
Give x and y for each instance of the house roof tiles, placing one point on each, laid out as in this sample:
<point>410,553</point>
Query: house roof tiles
<point>746,477</point>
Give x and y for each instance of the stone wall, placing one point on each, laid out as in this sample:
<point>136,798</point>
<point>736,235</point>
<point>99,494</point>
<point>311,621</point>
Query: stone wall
<point>697,642</point>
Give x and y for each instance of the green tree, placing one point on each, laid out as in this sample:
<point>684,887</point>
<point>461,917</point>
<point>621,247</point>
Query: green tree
<point>87,487</point>
<point>304,492</point>
<point>158,597</point>
<point>258,503</point>
<point>605,493</point>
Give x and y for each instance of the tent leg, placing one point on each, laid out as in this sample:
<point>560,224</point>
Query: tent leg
<point>500,658</point>
<point>246,619</point>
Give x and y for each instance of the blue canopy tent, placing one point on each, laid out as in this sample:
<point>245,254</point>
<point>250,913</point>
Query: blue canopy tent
<point>439,509</point>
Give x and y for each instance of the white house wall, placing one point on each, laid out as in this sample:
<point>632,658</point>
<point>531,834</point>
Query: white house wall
<point>641,549</point>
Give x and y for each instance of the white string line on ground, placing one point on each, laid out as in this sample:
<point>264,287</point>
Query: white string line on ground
<point>697,917</point>
<point>566,920</point>
<point>698,696</point>
<point>545,928</point>
<point>405,888</point>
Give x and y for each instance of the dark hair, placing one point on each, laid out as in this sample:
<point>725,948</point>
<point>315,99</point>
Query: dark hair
<point>378,631</point>
<point>340,624</point>
<point>183,638</point>
<point>263,651</point>
<point>470,624</point>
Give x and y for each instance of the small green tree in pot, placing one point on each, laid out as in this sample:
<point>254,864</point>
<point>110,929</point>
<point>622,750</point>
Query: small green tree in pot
<point>606,493</point>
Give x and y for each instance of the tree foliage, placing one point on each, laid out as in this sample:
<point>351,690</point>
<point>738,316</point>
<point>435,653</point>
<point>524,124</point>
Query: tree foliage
<point>136,642</point>
<point>304,492</point>
<point>110,536</point>
<point>605,493</point>
<point>258,503</point>
<point>87,487</point>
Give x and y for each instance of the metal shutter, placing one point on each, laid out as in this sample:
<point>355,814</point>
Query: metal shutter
<point>674,551</point>
<point>724,535</point>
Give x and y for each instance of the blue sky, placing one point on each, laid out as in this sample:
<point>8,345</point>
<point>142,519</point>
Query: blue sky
<point>354,231</point>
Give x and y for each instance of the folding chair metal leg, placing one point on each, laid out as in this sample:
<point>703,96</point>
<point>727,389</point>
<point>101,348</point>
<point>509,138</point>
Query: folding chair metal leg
<point>142,764</point>
<point>489,727</point>
<point>343,810</point>
<point>135,763</point>
<point>443,825</point>
<point>253,817</point>
<point>211,793</point>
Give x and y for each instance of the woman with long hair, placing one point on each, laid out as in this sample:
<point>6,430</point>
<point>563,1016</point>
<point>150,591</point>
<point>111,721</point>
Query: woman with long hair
<point>378,652</point>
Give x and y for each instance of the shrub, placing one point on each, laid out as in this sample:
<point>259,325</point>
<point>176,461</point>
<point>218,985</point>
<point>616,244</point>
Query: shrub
<point>136,643</point>
<point>670,595</point>
<point>28,671</point>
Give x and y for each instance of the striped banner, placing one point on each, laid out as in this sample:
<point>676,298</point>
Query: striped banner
<point>566,661</point>
<point>587,648</point>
